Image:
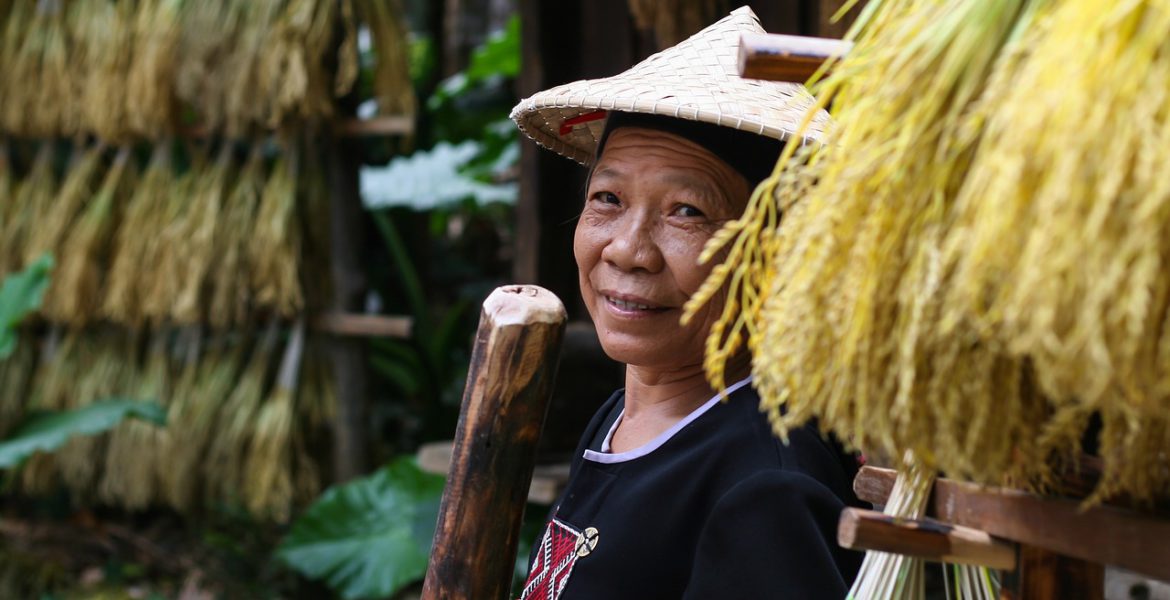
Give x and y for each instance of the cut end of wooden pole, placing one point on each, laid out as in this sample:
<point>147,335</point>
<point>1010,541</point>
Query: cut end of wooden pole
<point>523,305</point>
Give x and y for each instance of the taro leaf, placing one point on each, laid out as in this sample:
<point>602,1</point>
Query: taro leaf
<point>47,431</point>
<point>429,179</point>
<point>370,537</point>
<point>20,295</point>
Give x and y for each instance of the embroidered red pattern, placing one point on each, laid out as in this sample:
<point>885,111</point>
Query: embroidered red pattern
<point>554,562</point>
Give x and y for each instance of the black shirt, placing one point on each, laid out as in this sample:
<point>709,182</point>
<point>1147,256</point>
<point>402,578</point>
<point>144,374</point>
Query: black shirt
<point>717,507</point>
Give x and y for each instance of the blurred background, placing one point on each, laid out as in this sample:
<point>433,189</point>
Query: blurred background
<point>243,246</point>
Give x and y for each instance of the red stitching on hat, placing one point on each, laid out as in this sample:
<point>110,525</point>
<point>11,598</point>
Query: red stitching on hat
<point>567,126</point>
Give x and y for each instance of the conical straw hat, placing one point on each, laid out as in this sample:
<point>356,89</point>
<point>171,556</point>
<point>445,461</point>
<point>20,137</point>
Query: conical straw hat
<point>698,80</point>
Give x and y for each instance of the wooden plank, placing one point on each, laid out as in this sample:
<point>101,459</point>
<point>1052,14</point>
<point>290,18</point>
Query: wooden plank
<point>777,57</point>
<point>359,325</point>
<point>861,529</point>
<point>1044,574</point>
<point>1108,535</point>
<point>510,379</point>
<point>548,481</point>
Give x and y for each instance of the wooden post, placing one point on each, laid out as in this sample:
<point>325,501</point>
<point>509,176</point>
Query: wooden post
<point>513,365</point>
<point>1044,574</point>
<point>932,540</point>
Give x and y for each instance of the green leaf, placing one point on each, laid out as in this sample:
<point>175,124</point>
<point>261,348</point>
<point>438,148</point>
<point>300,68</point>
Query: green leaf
<point>47,431</point>
<point>431,178</point>
<point>20,295</point>
<point>499,55</point>
<point>370,537</point>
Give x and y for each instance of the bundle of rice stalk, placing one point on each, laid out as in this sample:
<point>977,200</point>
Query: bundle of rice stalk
<point>267,482</point>
<point>208,39</point>
<point>135,448</point>
<point>62,357</point>
<point>675,20</point>
<point>162,274</point>
<point>316,405</point>
<point>14,18</point>
<point>107,373</point>
<point>151,105</point>
<point>42,109</point>
<point>283,66</point>
<point>198,242</point>
<point>16,373</point>
<point>30,200</point>
<point>7,192</point>
<point>1061,239</point>
<point>246,97</point>
<point>847,290</point>
<point>231,288</point>
<point>347,53</point>
<point>48,229</point>
<point>103,50</point>
<point>201,381</point>
<point>136,244</point>
<point>226,453</point>
<point>274,251</point>
<point>391,78</point>
<point>76,290</point>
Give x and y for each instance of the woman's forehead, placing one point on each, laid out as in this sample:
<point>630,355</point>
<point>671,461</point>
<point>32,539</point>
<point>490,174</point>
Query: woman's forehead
<point>634,151</point>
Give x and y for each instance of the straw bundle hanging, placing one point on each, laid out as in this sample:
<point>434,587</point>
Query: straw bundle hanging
<point>846,291</point>
<point>31,199</point>
<point>16,373</point>
<point>245,98</point>
<point>7,192</point>
<point>231,284</point>
<point>267,482</point>
<point>136,244</point>
<point>198,240</point>
<point>286,67</point>
<point>207,43</point>
<point>163,273</point>
<point>316,405</point>
<point>75,293</point>
<point>275,248</point>
<point>388,34</point>
<point>54,383</point>
<point>43,109</point>
<point>103,52</point>
<point>151,105</point>
<point>49,228</point>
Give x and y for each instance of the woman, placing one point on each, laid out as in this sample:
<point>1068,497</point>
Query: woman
<point>672,493</point>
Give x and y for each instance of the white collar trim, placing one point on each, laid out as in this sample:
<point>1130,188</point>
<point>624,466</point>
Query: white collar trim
<point>607,457</point>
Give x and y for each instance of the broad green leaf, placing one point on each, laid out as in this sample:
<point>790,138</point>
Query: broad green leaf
<point>430,178</point>
<point>371,537</point>
<point>20,295</point>
<point>47,431</point>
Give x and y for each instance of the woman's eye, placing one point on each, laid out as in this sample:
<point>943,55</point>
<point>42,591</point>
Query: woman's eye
<point>686,210</point>
<point>607,197</point>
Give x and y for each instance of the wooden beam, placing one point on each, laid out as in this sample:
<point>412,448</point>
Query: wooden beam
<point>794,58</point>
<point>359,325</point>
<point>389,125</point>
<point>1044,574</point>
<point>1107,535</point>
<point>861,529</point>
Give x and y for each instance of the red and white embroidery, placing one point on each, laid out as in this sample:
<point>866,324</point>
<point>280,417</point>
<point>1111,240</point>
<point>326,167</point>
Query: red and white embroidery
<point>554,562</point>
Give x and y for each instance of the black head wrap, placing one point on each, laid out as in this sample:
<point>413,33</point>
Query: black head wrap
<point>750,154</point>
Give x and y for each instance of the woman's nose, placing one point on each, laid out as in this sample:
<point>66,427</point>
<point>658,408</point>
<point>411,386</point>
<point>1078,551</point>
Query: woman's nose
<point>633,246</point>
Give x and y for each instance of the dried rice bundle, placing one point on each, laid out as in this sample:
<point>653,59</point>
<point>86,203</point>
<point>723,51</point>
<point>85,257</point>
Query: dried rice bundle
<point>287,70</point>
<point>392,85</point>
<point>275,248</point>
<point>316,405</point>
<point>163,274</point>
<point>1061,242</point>
<point>102,54</point>
<point>14,18</point>
<point>136,245</point>
<point>31,200</point>
<point>246,101</point>
<point>49,229</point>
<point>236,423</point>
<point>675,20</point>
<point>75,292</point>
<point>267,482</point>
<point>7,192</point>
<point>16,373</point>
<point>198,241</point>
<point>847,290</point>
<point>61,360</point>
<point>135,448</point>
<point>231,287</point>
<point>210,29</point>
<point>43,109</point>
<point>151,105</point>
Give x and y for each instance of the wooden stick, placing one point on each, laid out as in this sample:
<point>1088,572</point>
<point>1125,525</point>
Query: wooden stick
<point>1102,534</point>
<point>862,529</point>
<point>794,58</point>
<point>513,365</point>
<point>359,325</point>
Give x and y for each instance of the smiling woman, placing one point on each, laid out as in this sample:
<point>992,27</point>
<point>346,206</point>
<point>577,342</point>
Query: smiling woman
<point>673,493</point>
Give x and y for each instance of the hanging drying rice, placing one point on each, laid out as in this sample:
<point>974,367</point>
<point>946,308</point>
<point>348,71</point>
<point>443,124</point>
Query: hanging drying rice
<point>15,378</point>
<point>44,109</point>
<point>198,240</point>
<point>275,248</point>
<point>163,273</point>
<point>267,482</point>
<point>316,405</point>
<point>76,290</point>
<point>30,201</point>
<point>103,50</point>
<point>54,383</point>
<point>231,285</point>
<point>48,229</point>
<point>151,106</point>
<point>391,78</point>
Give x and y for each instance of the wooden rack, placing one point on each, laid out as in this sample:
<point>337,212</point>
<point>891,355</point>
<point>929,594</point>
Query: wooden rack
<point>1046,547</point>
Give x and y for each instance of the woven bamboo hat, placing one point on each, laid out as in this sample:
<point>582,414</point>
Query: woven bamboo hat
<point>697,80</point>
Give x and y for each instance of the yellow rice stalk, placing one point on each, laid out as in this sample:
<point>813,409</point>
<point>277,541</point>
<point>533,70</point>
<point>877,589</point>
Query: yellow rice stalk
<point>31,200</point>
<point>267,483</point>
<point>275,248</point>
<point>1061,245</point>
<point>136,245</point>
<point>7,193</point>
<point>151,105</point>
<point>105,374</point>
<point>347,53</point>
<point>76,290</point>
<point>163,271</point>
<point>209,37</point>
<point>316,404</point>
<point>14,20</point>
<point>47,232</point>
<point>15,378</point>
<point>104,47</point>
<point>230,291</point>
<point>198,249</point>
<point>55,382</point>
<point>236,423</point>
<point>42,110</point>
<point>847,290</point>
<point>246,99</point>
<point>392,86</point>
<point>284,64</point>
<point>135,448</point>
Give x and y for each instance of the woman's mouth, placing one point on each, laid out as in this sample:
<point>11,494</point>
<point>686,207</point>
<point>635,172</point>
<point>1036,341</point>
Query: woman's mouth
<point>627,305</point>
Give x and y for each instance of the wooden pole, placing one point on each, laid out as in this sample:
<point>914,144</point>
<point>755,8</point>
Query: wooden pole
<point>777,57</point>
<point>513,365</point>
<point>861,529</point>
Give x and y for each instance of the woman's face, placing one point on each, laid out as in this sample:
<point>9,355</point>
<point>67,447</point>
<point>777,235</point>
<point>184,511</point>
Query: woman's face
<point>654,199</point>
